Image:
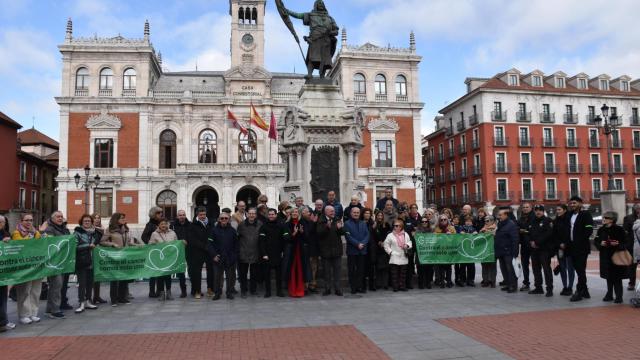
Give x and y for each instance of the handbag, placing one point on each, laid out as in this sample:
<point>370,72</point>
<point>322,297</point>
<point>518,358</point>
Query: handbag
<point>622,258</point>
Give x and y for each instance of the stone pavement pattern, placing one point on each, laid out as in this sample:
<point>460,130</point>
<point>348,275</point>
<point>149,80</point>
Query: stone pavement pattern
<point>581,334</point>
<point>329,342</point>
<point>403,325</point>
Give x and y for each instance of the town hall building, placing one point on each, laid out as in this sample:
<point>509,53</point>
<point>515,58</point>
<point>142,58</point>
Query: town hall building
<point>163,138</point>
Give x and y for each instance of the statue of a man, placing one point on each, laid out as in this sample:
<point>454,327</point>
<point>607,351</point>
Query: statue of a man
<point>322,38</point>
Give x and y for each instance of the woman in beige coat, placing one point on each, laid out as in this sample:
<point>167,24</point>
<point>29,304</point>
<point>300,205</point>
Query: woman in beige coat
<point>163,234</point>
<point>396,245</point>
<point>117,235</point>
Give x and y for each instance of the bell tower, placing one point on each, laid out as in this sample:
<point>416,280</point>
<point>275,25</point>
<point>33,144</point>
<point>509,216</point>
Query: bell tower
<point>247,32</point>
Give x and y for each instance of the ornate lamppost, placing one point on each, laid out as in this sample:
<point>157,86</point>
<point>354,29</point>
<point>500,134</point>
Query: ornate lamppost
<point>86,184</point>
<point>422,181</point>
<point>610,125</point>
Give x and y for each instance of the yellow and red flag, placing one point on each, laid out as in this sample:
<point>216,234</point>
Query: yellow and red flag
<point>257,120</point>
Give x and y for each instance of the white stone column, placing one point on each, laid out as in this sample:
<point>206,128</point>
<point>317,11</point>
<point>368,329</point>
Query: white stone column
<point>355,165</point>
<point>290,165</point>
<point>349,163</point>
<point>146,132</point>
<point>299,151</point>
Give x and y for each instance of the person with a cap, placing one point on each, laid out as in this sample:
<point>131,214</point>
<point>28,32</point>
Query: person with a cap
<point>627,224</point>
<point>581,228</point>
<point>541,245</point>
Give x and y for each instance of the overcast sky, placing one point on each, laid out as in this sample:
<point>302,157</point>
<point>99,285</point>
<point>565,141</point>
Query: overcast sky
<point>457,39</point>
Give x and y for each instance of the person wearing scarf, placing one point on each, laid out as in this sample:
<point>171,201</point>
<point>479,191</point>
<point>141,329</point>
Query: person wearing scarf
<point>296,271</point>
<point>58,284</point>
<point>87,237</point>
<point>444,226</point>
<point>28,294</point>
<point>396,245</point>
<point>163,234</point>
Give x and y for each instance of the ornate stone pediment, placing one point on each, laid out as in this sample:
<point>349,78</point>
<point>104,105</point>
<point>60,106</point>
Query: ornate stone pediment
<point>383,125</point>
<point>247,72</point>
<point>103,121</point>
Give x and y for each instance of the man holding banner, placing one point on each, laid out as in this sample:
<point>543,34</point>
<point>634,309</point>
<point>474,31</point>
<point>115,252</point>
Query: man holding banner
<point>56,301</point>
<point>506,249</point>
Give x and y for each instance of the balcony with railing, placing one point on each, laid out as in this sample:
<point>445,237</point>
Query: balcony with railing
<point>636,143</point>
<point>464,174</point>
<point>527,168</point>
<point>402,98</point>
<point>617,143</point>
<point>619,169</point>
<point>528,195</point>
<point>574,168</point>
<point>499,116</point>
<point>502,169</point>
<point>449,131</point>
<point>523,116</point>
<point>547,118</point>
<point>462,149</point>
<point>525,141</point>
<point>464,199</point>
<point>460,126</point>
<point>475,144</point>
<point>441,179</point>
<point>573,143</point>
<point>551,195</point>
<point>581,194</point>
<point>82,92</point>
<point>453,176</point>
<point>635,120</point>
<point>595,195</point>
<point>594,143</point>
<point>591,119</point>
<point>129,93</point>
<point>473,119</point>
<point>596,169</point>
<point>503,195</point>
<point>105,92</point>
<point>550,168</point>
<point>360,97</point>
<point>440,156</point>
<point>381,97</point>
<point>548,142</point>
<point>476,171</point>
<point>501,141</point>
<point>452,153</point>
<point>476,198</point>
<point>570,118</point>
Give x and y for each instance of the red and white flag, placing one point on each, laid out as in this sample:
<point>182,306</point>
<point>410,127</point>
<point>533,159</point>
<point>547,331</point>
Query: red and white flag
<point>234,122</point>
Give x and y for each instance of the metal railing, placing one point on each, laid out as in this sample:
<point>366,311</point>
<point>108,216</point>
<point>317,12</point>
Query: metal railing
<point>595,169</point>
<point>527,168</point>
<point>574,168</point>
<point>573,143</point>
<point>475,144</point>
<point>523,116</point>
<point>503,195</point>
<point>502,169</point>
<point>525,141</point>
<point>462,149</point>
<point>460,126</point>
<point>503,141</point>
<point>547,118</point>
<point>476,171</point>
<point>550,168</point>
<point>499,116</point>
<point>473,119</point>
<point>570,118</point>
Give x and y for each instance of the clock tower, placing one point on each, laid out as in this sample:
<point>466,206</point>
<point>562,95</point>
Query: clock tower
<point>247,32</point>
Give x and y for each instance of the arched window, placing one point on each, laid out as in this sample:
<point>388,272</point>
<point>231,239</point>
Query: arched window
<point>248,148</point>
<point>82,79</point>
<point>247,16</point>
<point>168,202</point>
<point>167,150</point>
<point>359,84</point>
<point>129,79</point>
<point>401,85</point>
<point>106,79</point>
<point>241,16</point>
<point>207,147</point>
<point>381,85</point>
<point>254,17</point>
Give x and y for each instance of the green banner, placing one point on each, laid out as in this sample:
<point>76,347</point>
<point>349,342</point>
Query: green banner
<point>454,248</point>
<point>111,264</point>
<point>27,260</point>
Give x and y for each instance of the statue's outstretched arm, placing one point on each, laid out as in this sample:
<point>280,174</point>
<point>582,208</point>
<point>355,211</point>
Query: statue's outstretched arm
<point>295,14</point>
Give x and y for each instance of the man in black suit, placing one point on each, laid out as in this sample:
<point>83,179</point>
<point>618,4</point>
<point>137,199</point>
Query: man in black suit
<point>581,225</point>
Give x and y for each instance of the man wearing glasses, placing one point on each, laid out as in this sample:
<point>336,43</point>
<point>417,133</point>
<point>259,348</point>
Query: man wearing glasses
<point>223,249</point>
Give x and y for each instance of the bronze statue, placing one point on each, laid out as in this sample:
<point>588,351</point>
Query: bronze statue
<point>322,38</point>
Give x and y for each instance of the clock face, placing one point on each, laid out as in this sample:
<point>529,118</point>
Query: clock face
<point>247,39</point>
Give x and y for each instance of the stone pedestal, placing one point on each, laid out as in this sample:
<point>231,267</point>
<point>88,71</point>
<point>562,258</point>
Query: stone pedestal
<point>320,139</point>
<point>614,200</point>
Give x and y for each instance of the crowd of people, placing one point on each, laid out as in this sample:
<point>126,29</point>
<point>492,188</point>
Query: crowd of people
<point>284,250</point>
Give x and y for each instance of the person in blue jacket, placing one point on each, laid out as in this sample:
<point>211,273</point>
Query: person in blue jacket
<point>357,234</point>
<point>506,242</point>
<point>224,249</point>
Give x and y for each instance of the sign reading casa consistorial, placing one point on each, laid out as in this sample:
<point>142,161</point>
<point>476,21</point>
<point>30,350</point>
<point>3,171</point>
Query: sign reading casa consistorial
<point>165,138</point>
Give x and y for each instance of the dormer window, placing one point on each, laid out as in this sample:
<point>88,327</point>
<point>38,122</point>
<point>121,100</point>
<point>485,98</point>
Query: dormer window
<point>560,83</point>
<point>582,84</point>
<point>513,80</point>
<point>604,84</point>
<point>537,81</point>
<point>624,85</point>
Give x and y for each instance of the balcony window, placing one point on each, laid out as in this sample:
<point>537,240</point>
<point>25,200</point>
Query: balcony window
<point>383,154</point>
<point>106,79</point>
<point>207,147</point>
<point>167,150</point>
<point>248,148</point>
<point>502,193</point>
<point>103,153</point>
<point>82,79</point>
<point>380,85</point>
<point>129,79</point>
<point>359,85</point>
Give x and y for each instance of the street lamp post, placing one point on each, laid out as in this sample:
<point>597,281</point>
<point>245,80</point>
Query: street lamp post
<point>608,124</point>
<point>86,184</point>
<point>422,181</point>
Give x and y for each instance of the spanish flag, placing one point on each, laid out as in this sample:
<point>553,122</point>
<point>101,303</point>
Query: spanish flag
<point>257,120</point>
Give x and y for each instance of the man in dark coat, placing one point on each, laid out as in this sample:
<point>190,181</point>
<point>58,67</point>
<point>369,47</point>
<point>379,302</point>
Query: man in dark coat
<point>355,203</point>
<point>249,237</point>
<point>627,224</point>
<point>335,203</point>
<point>357,234</point>
<point>309,221</point>
<point>506,242</point>
<point>56,300</point>
<point>581,225</point>
<point>541,243</point>
<point>273,237</point>
<point>525,219</point>
<point>181,227</point>
<point>388,195</point>
<point>329,231</point>
<point>197,243</point>
<point>155,215</point>
<point>223,249</point>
